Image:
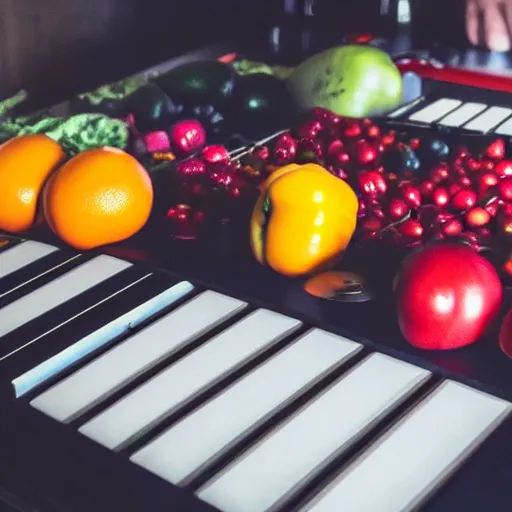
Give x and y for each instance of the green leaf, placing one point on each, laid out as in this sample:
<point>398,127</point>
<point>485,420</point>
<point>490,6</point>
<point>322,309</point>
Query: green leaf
<point>9,103</point>
<point>113,91</point>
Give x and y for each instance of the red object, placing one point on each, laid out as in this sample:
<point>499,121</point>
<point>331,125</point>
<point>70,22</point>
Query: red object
<point>447,297</point>
<point>372,184</point>
<point>187,136</point>
<point>437,71</point>
<point>506,334</point>
<point>503,168</point>
<point>184,221</point>
<point>191,167</point>
<point>215,154</point>
<point>496,150</point>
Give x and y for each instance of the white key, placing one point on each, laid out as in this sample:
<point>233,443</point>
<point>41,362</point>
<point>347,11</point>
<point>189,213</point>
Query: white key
<point>186,446</point>
<point>489,119</point>
<point>21,255</point>
<point>435,110</point>
<point>155,399</point>
<point>58,291</point>
<point>413,458</point>
<point>124,362</point>
<point>505,128</point>
<point>463,114</point>
<point>283,460</point>
<point>99,338</point>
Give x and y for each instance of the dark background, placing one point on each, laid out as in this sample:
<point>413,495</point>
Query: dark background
<point>55,47</point>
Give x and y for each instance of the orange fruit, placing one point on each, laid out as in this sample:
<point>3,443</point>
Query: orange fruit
<point>98,197</point>
<point>25,164</point>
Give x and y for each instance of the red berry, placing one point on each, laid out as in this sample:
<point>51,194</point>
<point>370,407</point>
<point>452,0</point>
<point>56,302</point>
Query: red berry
<point>505,224</point>
<point>388,139</point>
<point>342,158</point>
<point>464,181</point>
<point>411,228</point>
<point>334,147</point>
<point>426,188</point>
<point>496,149</point>
<point>262,152</point>
<point>440,197</point>
<point>477,217</point>
<point>285,149</point>
<point>372,131</point>
<point>454,188</point>
<point>412,196</point>
<point>187,136</point>
<point>503,168</point>
<point>191,167</point>
<point>452,227</point>
<point>365,153</point>
<point>371,224</point>
<point>505,189</point>
<point>506,208</point>
<point>414,143</point>
<point>398,208</point>
<point>487,165</point>
<point>372,184</point>
<point>439,174</point>
<point>464,199</point>
<point>472,164</point>
<point>486,181</point>
<point>353,129</point>
<point>310,129</point>
<point>215,154</point>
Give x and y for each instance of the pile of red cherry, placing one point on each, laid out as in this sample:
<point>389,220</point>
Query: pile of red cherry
<point>412,191</point>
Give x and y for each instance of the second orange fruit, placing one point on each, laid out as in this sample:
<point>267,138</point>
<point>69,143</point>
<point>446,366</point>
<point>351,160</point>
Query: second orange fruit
<point>98,197</point>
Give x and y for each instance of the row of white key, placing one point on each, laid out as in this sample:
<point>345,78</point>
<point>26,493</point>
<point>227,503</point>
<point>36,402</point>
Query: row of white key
<point>65,287</point>
<point>470,116</point>
<point>437,435</point>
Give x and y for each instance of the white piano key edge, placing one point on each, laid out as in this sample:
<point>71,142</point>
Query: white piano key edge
<point>320,493</point>
<point>422,378</point>
<point>42,335</point>
<point>435,121</point>
<point>105,335</point>
<point>38,276</point>
<point>440,121</point>
<point>240,307</point>
<point>357,348</point>
<point>224,375</point>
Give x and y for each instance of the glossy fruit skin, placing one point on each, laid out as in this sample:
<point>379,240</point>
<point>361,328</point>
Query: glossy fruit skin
<point>260,103</point>
<point>505,336</point>
<point>206,82</point>
<point>447,296</point>
<point>100,196</point>
<point>152,108</point>
<point>343,80</point>
<point>25,164</point>
<point>303,220</point>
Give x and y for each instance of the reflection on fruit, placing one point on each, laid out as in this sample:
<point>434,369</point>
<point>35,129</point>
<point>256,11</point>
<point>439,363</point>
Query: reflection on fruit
<point>506,334</point>
<point>25,164</point>
<point>303,219</point>
<point>99,197</point>
<point>352,80</point>
<point>447,296</point>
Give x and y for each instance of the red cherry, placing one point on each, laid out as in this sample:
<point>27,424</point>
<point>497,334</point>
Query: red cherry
<point>412,196</point>
<point>353,129</point>
<point>464,199</point>
<point>215,154</point>
<point>262,152</point>
<point>426,188</point>
<point>191,167</point>
<point>398,208</point>
<point>486,181</point>
<point>487,165</point>
<point>365,153</point>
<point>503,168</point>
<point>185,221</point>
<point>506,208</point>
<point>439,173</point>
<point>285,149</point>
<point>342,158</point>
<point>505,224</point>
<point>311,146</point>
<point>440,197</point>
<point>334,147</point>
<point>222,177</point>
<point>310,129</point>
<point>477,217</point>
<point>372,184</point>
<point>388,139</point>
<point>505,189</point>
<point>496,149</point>
<point>472,164</point>
<point>411,228</point>
<point>452,227</point>
<point>464,181</point>
<point>187,136</point>
<point>492,208</point>
<point>414,143</point>
<point>372,131</point>
<point>454,188</point>
<point>507,268</point>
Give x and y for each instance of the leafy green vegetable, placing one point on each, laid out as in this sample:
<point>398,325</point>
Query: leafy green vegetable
<point>113,91</point>
<point>249,67</point>
<point>9,103</point>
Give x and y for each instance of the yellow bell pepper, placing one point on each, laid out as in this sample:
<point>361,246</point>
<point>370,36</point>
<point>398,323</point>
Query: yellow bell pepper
<point>303,220</point>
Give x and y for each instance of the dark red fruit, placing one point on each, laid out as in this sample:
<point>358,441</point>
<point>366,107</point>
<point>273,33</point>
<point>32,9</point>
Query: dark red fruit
<point>411,228</point>
<point>452,227</point>
<point>372,184</point>
<point>185,221</point>
<point>398,208</point>
<point>496,150</point>
<point>215,154</point>
<point>412,196</point>
<point>191,167</point>
<point>440,197</point>
<point>365,153</point>
<point>477,217</point>
<point>285,149</point>
<point>505,189</point>
<point>503,168</point>
<point>187,136</point>
<point>464,199</point>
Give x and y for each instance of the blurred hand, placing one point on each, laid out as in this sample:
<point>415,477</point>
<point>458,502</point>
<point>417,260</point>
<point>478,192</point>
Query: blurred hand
<point>493,19</point>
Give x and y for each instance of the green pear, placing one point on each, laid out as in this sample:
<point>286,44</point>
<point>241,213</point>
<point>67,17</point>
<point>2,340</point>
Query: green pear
<point>352,81</point>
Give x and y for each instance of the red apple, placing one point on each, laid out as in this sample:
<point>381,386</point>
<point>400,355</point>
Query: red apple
<point>447,296</point>
<point>187,136</point>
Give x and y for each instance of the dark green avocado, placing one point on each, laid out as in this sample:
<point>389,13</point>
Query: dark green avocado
<point>206,82</point>
<point>260,103</point>
<point>152,108</point>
